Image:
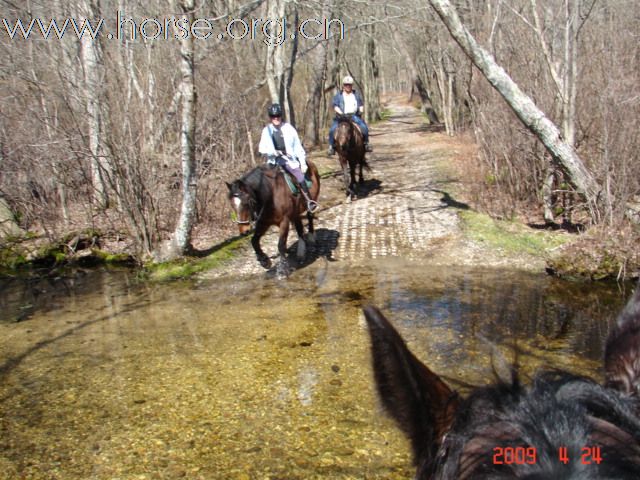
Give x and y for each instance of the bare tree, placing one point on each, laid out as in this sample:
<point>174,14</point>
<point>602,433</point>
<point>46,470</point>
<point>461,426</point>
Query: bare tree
<point>94,72</point>
<point>522,105</point>
<point>180,241</point>
<point>370,77</point>
<point>319,56</point>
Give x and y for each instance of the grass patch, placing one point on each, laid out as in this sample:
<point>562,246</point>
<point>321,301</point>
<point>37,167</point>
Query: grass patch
<point>510,237</point>
<point>189,266</point>
<point>385,114</point>
<point>326,172</point>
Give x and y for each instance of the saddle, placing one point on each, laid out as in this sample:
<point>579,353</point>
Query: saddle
<point>291,182</point>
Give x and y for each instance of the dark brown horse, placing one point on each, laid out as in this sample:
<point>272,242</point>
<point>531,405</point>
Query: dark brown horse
<point>349,144</point>
<point>263,196</point>
<point>562,426</point>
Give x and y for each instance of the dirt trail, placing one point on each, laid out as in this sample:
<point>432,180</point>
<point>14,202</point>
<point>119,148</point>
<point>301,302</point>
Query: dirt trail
<point>406,209</point>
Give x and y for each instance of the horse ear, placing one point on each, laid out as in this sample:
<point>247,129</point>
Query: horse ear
<point>622,350</point>
<point>420,402</point>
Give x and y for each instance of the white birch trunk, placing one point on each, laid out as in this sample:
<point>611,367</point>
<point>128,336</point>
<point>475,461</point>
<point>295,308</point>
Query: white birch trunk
<point>274,67</point>
<point>182,233</point>
<point>93,78</point>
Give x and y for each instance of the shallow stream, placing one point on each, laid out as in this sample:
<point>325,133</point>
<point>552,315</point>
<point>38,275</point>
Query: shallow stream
<point>104,377</point>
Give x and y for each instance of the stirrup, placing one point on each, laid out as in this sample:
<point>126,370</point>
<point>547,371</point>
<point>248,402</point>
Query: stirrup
<point>312,206</point>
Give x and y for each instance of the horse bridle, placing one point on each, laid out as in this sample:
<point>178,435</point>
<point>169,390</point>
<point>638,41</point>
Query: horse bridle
<point>254,218</point>
<point>352,136</point>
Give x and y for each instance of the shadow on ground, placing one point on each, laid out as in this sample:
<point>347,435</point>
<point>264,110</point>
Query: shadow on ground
<point>326,242</point>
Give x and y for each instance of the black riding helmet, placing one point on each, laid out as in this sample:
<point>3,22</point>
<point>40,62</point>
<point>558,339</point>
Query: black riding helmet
<point>275,110</point>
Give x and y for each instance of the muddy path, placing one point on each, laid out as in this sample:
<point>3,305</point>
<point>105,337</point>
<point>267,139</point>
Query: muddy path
<point>407,206</point>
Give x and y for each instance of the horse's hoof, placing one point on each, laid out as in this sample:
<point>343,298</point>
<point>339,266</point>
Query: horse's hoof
<point>283,270</point>
<point>265,262</point>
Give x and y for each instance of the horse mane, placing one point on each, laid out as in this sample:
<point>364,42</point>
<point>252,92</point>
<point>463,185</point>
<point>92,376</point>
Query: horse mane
<point>253,178</point>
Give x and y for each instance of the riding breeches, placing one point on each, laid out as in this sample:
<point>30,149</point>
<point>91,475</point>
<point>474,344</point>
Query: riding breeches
<point>295,171</point>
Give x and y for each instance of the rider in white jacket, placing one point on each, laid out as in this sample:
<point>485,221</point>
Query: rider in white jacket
<point>281,145</point>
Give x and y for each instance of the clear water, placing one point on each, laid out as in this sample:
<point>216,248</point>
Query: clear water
<point>105,378</point>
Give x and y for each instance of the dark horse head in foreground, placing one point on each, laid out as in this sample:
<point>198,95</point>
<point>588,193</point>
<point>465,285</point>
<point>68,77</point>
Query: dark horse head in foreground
<point>349,144</point>
<point>562,426</point>
<point>263,196</point>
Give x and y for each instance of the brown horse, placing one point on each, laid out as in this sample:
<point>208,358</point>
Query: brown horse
<point>349,144</point>
<point>561,426</point>
<point>263,196</point>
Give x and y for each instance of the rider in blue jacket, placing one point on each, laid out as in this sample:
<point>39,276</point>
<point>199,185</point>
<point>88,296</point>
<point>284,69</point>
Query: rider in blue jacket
<point>349,102</point>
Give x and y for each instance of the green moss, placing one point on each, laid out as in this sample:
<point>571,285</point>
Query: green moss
<point>11,258</point>
<point>510,237</point>
<point>186,267</point>
<point>112,258</point>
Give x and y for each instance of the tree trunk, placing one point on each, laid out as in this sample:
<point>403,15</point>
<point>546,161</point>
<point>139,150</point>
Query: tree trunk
<point>291,114</point>
<point>526,110</point>
<point>547,194</point>
<point>370,83</point>
<point>275,54</point>
<point>93,81</point>
<point>181,239</point>
<point>319,76</point>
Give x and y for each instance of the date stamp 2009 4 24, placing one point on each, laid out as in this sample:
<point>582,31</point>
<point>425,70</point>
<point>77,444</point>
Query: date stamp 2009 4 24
<point>528,455</point>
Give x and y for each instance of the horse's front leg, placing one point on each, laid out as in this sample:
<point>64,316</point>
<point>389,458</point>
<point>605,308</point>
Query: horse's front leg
<point>255,243</point>
<point>352,171</point>
<point>283,264</point>
<point>312,235</point>
<point>301,244</point>
<point>346,178</point>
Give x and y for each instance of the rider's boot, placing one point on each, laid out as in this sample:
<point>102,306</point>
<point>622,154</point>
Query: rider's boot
<point>312,205</point>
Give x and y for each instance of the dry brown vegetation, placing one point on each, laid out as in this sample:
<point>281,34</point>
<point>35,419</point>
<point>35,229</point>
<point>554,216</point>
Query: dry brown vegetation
<point>578,59</point>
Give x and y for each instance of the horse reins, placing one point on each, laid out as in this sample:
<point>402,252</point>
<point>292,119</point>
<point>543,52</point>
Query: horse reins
<point>254,216</point>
